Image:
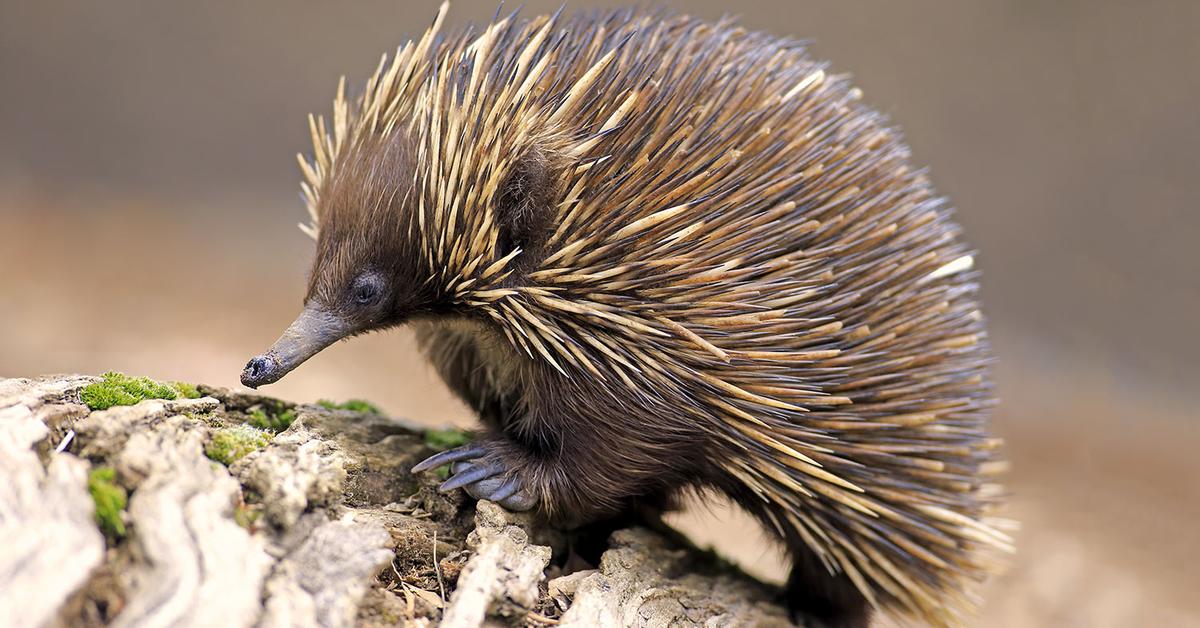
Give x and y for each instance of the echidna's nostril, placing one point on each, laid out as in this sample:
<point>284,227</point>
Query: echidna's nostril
<point>256,371</point>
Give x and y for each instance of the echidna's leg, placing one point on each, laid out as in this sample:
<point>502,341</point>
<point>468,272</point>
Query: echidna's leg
<point>501,469</point>
<point>480,475</point>
<point>548,460</point>
<point>816,598</point>
<point>820,599</point>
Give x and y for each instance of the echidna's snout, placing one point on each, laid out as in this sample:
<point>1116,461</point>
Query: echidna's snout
<point>256,371</point>
<point>312,331</point>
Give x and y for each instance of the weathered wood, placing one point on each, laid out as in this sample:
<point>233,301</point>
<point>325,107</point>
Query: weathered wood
<point>50,543</point>
<point>644,581</point>
<point>505,568</point>
<point>318,525</point>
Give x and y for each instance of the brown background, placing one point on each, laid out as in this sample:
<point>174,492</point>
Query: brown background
<point>148,203</point>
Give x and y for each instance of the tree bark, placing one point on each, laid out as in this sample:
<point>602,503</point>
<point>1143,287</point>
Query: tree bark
<point>317,524</point>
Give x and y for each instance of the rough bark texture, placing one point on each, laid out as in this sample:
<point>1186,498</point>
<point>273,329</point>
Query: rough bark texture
<point>319,524</point>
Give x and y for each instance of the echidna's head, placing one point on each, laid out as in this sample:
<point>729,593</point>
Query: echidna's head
<point>421,204</point>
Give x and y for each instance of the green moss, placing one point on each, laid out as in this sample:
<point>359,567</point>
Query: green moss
<point>230,444</point>
<point>442,440</point>
<point>274,421</point>
<point>118,389</point>
<point>258,418</point>
<point>186,390</point>
<point>246,515</point>
<point>353,405</point>
<point>110,500</point>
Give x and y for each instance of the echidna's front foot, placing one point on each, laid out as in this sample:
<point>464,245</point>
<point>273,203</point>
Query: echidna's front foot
<point>482,474</point>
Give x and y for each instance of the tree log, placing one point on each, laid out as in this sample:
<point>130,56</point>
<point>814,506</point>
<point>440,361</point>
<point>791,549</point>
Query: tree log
<point>173,512</point>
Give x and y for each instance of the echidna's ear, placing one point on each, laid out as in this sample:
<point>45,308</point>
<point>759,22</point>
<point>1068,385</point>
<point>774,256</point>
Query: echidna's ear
<point>524,204</point>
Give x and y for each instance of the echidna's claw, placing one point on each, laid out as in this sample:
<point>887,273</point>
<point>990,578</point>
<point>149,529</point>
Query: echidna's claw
<point>469,473</point>
<point>508,491</point>
<point>481,475</point>
<point>465,452</point>
<point>507,487</point>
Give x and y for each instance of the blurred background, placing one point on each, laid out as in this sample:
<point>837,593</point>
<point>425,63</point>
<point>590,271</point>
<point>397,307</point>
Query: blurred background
<point>149,197</point>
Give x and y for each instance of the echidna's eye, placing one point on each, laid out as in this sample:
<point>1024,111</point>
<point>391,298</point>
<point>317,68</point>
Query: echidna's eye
<point>364,294</point>
<point>367,288</point>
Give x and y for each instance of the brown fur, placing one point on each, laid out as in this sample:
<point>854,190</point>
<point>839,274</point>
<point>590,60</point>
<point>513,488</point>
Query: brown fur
<point>657,254</point>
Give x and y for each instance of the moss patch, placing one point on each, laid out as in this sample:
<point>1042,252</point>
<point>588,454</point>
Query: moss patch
<point>186,390</point>
<point>247,515</point>
<point>273,421</point>
<point>118,389</point>
<point>230,444</point>
<point>353,405</point>
<point>110,500</point>
<point>442,440</point>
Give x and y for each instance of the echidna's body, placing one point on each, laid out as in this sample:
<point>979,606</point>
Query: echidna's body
<point>659,254</point>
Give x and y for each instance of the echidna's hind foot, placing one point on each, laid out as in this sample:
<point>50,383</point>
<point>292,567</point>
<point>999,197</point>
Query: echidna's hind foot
<point>820,600</point>
<point>482,474</point>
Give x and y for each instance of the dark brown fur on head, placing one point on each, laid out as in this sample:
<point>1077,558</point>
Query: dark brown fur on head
<point>369,229</point>
<point>362,234</point>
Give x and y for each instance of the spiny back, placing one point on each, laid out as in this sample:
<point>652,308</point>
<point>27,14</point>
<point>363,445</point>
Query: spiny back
<point>733,236</point>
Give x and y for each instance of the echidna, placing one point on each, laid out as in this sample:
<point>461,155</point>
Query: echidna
<point>655,255</point>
